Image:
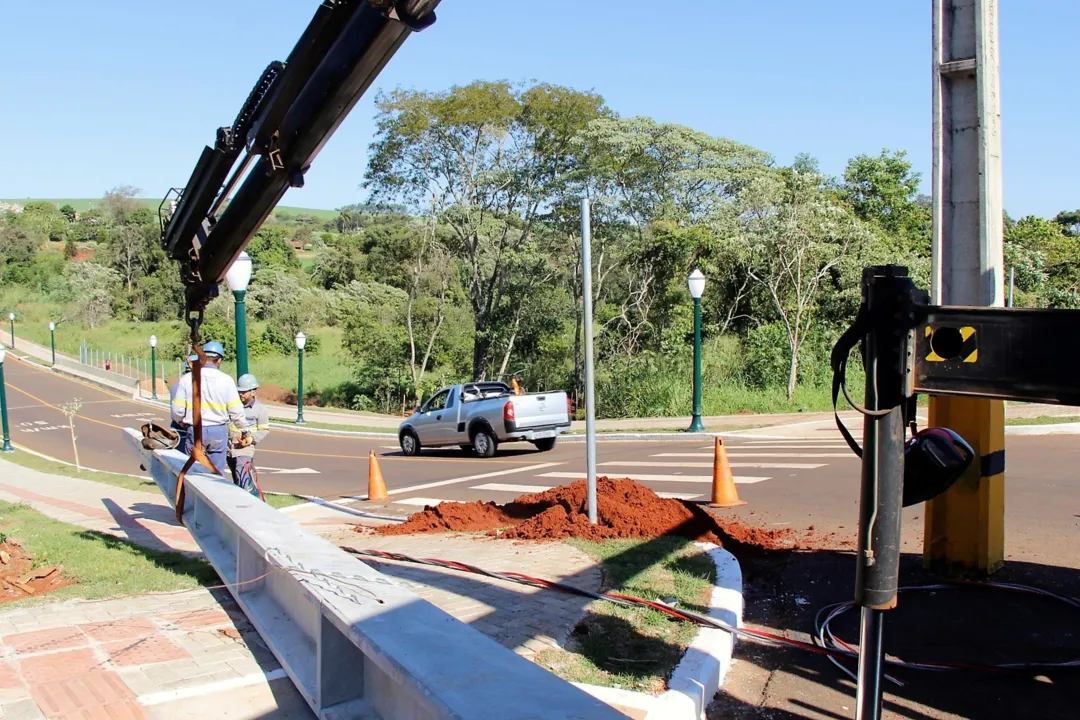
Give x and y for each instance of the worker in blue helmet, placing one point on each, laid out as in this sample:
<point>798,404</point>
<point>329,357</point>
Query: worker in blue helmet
<point>242,447</point>
<point>220,404</point>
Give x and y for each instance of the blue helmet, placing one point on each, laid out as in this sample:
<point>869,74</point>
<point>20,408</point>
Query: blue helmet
<point>214,348</point>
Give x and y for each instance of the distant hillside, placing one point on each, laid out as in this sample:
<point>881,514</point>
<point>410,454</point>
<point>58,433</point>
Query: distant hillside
<point>84,204</point>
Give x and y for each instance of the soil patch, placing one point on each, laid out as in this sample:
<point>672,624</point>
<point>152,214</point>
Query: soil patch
<point>625,509</point>
<point>19,579</point>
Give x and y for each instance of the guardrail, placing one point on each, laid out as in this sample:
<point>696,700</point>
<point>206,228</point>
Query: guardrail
<point>113,380</point>
<point>355,643</point>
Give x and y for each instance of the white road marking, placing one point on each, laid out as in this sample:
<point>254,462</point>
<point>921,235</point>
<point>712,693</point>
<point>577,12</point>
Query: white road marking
<point>482,476</point>
<point>765,455</point>
<point>501,487</point>
<point>215,687</point>
<point>678,496</point>
<point>788,446</point>
<point>740,479</point>
<point>420,501</point>
<point>778,466</point>
<point>289,471</point>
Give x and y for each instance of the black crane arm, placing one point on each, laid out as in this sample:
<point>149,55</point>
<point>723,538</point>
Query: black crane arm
<point>290,114</point>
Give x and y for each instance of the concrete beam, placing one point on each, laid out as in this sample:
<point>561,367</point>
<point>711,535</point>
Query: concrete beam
<point>354,642</point>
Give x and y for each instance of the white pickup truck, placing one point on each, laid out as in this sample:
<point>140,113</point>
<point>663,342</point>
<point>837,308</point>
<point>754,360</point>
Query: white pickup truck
<point>481,415</point>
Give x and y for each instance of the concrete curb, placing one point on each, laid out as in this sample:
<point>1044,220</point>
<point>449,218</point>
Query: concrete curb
<point>698,676</point>
<point>700,673</point>
<point>1072,428</point>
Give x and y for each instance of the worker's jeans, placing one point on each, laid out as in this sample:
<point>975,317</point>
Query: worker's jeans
<point>243,473</point>
<point>215,444</point>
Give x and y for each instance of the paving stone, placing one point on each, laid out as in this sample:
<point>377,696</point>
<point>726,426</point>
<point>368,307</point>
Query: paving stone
<point>21,710</point>
<point>126,629</point>
<point>37,641</point>
<point>80,696</point>
<point>9,677</point>
<point>145,651</point>
<point>197,619</point>
<point>55,667</point>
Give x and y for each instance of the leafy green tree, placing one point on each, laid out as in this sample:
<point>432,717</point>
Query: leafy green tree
<point>120,203</point>
<point>883,191</point>
<point>490,153</point>
<point>1070,221</point>
<point>94,288</point>
<point>271,247</point>
<point>18,247</point>
<point>68,212</point>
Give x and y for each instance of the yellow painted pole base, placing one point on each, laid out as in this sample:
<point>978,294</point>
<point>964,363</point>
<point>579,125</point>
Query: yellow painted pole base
<point>965,526</point>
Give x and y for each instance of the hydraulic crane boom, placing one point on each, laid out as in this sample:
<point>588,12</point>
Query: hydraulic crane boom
<point>290,114</point>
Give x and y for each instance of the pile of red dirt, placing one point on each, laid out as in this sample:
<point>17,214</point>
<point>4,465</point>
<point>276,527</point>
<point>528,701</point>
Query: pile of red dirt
<point>625,509</point>
<point>19,579</point>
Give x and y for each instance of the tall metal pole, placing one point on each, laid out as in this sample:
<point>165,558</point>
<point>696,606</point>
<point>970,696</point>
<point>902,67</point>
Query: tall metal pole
<point>1012,284</point>
<point>241,333</point>
<point>6,447</point>
<point>695,424</point>
<point>590,387</point>
<point>52,341</point>
<point>300,387</point>
<point>877,570</point>
<point>153,373</point>
<point>11,317</point>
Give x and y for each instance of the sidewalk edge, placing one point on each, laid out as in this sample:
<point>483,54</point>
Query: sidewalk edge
<point>700,673</point>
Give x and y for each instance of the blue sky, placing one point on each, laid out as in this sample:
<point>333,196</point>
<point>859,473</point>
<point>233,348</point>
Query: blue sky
<point>108,93</point>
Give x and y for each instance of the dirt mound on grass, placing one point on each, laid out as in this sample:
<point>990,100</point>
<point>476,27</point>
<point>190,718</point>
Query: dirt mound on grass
<point>625,509</point>
<point>19,579</point>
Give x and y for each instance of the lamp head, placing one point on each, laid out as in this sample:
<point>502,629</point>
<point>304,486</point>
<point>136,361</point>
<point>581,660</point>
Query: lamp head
<point>301,340</point>
<point>153,341</point>
<point>239,273</point>
<point>11,316</point>
<point>696,283</point>
<point>3,354</point>
<point>52,326</point>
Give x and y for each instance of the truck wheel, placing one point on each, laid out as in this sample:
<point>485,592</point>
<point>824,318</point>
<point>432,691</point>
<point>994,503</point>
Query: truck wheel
<point>484,444</point>
<point>545,444</point>
<point>410,444</point>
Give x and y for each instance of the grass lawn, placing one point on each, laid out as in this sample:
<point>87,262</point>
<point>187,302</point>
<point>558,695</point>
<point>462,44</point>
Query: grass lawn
<point>101,565</point>
<point>636,648</point>
<point>52,467</point>
<point>283,501</point>
<point>1053,420</point>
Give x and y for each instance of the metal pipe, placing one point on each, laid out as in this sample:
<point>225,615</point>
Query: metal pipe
<point>590,393</point>
<point>1012,283</point>
<point>871,652</point>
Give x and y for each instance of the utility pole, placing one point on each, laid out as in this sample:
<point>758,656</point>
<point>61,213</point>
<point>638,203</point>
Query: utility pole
<point>590,385</point>
<point>965,527</point>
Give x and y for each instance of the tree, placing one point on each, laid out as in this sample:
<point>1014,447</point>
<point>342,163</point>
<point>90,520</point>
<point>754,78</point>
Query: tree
<point>796,236</point>
<point>120,202</point>
<point>883,191</point>
<point>270,246</point>
<point>18,247</point>
<point>68,212</point>
<point>94,289</point>
<point>1070,221</point>
<point>492,153</point>
<point>134,252</point>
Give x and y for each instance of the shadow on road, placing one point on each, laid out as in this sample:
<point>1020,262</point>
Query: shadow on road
<point>783,591</point>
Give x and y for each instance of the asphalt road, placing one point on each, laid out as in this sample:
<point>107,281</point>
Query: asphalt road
<point>807,478</point>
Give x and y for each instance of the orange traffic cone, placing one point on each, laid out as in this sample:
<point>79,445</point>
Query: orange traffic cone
<point>723,482</point>
<point>376,486</point>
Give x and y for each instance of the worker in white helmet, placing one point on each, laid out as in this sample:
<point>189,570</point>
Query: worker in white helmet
<point>242,447</point>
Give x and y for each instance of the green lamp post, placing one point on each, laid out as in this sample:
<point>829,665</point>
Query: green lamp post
<point>3,405</point>
<point>238,277</point>
<point>301,341</point>
<point>696,283</point>
<point>11,317</point>
<point>153,367</point>
<point>52,341</point>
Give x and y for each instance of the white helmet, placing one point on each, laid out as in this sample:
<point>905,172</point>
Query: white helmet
<point>247,382</point>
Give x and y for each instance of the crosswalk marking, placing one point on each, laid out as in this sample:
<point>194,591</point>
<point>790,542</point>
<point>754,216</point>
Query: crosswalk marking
<point>506,487</point>
<point>740,479</point>
<point>678,496</point>
<point>778,466</point>
<point>419,501</point>
<point>467,478</point>
<point>766,455</point>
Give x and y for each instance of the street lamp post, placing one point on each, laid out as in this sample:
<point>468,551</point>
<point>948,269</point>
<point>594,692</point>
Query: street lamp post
<point>52,341</point>
<point>153,367</point>
<point>238,277</point>
<point>301,341</point>
<point>11,317</point>
<point>696,283</point>
<point>3,405</point>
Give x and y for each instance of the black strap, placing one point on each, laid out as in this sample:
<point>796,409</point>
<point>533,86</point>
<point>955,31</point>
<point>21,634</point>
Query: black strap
<point>838,360</point>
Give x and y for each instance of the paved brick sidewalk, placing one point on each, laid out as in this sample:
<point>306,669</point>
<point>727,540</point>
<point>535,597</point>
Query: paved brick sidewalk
<point>525,619</point>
